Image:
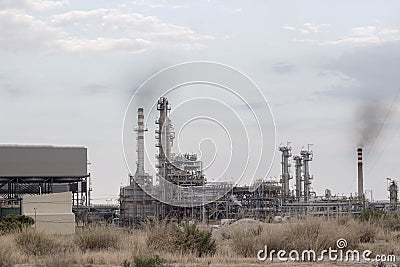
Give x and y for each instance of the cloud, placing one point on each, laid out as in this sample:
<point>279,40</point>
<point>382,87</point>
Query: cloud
<point>313,28</point>
<point>32,5</point>
<point>123,45</point>
<point>98,30</point>
<point>364,31</point>
<point>236,10</point>
<point>374,70</point>
<point>126,24</point>
<point>156,4</point>
<point>307,28</point>
<point>77,17</point>
<point>360,36</point>
<point>22,31</point>
<point>283,68</point>
<point>389,31</point>
<point>290,28</point>
<point>354,41</point>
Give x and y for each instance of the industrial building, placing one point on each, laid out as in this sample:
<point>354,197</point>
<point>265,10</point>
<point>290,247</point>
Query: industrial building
<point>30,174</point>
<point>43,170</point>
<point>263,200</point>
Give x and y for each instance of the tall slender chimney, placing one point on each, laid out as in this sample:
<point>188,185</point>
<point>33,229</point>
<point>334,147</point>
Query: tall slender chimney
<point>140,143</point>
<point>360,174</point>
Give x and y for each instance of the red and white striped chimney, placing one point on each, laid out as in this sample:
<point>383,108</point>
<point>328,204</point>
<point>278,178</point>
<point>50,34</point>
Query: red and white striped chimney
<point>360,173</point>
<point>140,143</point>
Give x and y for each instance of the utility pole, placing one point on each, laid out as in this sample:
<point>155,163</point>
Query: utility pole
<point>35,218</point>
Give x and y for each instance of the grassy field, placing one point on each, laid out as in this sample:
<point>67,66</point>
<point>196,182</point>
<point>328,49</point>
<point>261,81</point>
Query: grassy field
<point>164,244</point>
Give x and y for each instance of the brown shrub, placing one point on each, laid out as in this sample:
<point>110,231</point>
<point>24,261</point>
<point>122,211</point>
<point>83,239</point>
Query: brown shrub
<point>273,236</point>
<point>98,238</point>
<point>245,242</point>
<point>36,243</point>
<point>360,232</point>
<point>162,235</point>
<point>312,233</point>
<point>186,239</point>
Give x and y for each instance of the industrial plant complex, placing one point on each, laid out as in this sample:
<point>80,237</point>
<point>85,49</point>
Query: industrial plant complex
<point>263,200</point>
<point>52,185</point>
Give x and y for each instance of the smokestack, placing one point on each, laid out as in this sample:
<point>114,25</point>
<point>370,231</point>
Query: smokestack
<point>360,174</point>
<point>140,143</point>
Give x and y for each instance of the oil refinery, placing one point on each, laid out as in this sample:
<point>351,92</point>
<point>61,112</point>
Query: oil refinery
<point>263,200</point>
<point>179,191</point>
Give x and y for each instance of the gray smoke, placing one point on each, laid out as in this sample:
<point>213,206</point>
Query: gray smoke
<point>148,95</point>
<point>371,120</point>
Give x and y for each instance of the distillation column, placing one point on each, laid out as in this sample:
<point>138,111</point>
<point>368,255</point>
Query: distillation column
<point>164,136</point>
<point>285,176</point>
<point>306,156</point>
<point>299,187</point>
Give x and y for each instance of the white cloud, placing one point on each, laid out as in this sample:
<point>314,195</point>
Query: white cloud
<point>311,41</point>
<point>354,41</point>
<point>237,10</point>
<point>156,4</point>
<point>364,31</point>
<point>308,28</point>
<point>389,31</point>
<point>97,30</point>
<point>31,5</point>
<point>360,36</point>
<point>313,28</point>
<point>76,17</point>
<point>132,25</point>
<point>22,31</point>
<point>290,28</point>
<point>363,36</point>
<point>133,46</point>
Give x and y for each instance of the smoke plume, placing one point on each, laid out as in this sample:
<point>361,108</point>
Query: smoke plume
<point>371,119</point>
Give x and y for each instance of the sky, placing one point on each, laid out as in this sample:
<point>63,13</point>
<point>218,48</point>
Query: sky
<point>328,69</point>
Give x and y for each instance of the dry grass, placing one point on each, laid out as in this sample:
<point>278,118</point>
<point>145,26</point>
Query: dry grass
<point>310,233</point>
<point>161,236</point>
<point>235,244</point>
<point>98,238</point>
<point>37,243</point>
<point>7,248</point>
